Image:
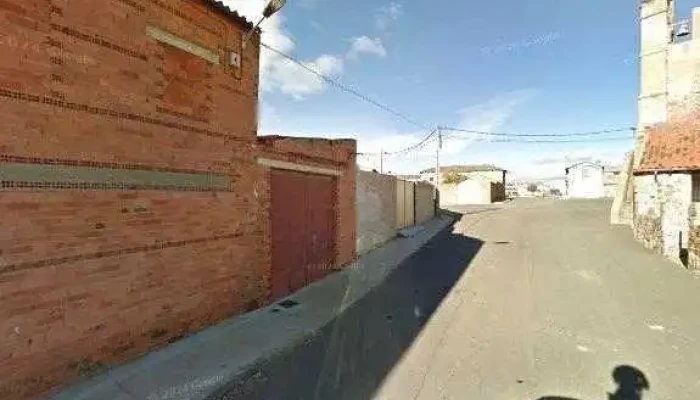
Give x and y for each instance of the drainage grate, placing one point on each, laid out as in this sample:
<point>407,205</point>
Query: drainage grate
<point>502,242</point>
<point>288,304</point>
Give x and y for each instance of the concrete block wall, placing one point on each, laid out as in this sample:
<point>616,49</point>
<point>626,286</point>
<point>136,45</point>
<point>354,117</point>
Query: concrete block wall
<point>376,210</point>
<point>386,204</point>
<point>448,195</point>
<point>129,183</point>
<point>405,203</point>
<point>425,202</point>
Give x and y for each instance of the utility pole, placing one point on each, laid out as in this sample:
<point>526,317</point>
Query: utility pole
<point>437,168</point>
<point>381,161</point>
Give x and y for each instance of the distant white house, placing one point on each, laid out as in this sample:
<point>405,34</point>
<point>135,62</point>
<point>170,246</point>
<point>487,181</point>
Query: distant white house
<point>585,180</point>
<point>474,191</point>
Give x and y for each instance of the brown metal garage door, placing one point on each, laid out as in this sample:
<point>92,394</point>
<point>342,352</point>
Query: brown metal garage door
<point>303,213</point>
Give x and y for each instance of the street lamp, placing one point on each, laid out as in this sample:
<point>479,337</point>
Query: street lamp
<point>272,7</point>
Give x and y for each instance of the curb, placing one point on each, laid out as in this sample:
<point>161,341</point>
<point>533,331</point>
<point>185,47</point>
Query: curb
<point>202,365</point>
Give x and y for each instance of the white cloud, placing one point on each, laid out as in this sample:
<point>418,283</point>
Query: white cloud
<point>366,45</point>
<point>386,15</point>
<point>276,72</point>
<point>270,120</point>
<point>294,80</point>
<point>489,115</point>
<point>317,25</point>
<point>493,113</point>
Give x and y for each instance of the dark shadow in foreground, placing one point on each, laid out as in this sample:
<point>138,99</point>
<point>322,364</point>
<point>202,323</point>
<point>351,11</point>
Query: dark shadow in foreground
<point>631,384</point>
<point>350,357</point>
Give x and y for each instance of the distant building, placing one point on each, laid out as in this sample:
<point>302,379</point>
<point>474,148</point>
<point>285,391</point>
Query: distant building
<point>410,178</point>
<point>585,180</point>
<point>512,190</point>
<point>488,172</point>
<point>525,186</point>
<point>554,187</point>
<point>481,184</point>
<point>472,191</point>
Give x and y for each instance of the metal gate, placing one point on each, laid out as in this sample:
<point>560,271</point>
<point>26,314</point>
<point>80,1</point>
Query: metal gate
<point>303,214</point>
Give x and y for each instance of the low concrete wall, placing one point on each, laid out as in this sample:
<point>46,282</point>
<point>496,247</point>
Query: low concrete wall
<point>472,191</point>
<point>405,206</point>
<point>386,204</point>
<point>425,202</point>
<point>448,195</point>
<point>376,210</point>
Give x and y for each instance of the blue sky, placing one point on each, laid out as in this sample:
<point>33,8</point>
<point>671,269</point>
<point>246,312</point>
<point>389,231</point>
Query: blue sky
<point>541,66</point>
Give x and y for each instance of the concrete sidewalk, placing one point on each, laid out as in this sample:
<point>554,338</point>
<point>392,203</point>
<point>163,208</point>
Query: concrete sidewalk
<point>197,366</point>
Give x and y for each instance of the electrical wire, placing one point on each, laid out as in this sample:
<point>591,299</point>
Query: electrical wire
<point>427,139</point>
<point>346,88</point>
<point>521,140</point>
<point>513,134</point>
<point>560,141</point>
<point>432,135</point>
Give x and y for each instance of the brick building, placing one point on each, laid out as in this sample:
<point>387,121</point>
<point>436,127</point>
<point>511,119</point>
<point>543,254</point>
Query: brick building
<point>136,200</point>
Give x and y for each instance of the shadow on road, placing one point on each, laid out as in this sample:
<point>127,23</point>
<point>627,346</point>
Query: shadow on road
<point>631,384</point>
<point>350,357</point>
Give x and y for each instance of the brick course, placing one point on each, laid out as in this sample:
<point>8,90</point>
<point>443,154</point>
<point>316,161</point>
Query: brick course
<point>94,274</point>
<point>95,277</point>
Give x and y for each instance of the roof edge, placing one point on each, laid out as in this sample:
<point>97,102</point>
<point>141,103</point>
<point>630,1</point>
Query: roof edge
<point>305,138</point>
<point>664,170</point>
<point>224,10</point>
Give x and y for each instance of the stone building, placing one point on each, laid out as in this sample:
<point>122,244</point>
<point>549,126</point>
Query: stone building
<point>659,183</point>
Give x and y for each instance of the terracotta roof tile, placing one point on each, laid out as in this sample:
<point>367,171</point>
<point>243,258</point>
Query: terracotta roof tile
<point>674,146</point>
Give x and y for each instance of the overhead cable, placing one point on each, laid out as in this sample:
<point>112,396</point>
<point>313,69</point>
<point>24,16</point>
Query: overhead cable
<point>516,134</point>
<point>346,88</point>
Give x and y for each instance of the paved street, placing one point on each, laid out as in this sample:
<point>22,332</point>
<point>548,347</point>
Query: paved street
<point>526,300</point>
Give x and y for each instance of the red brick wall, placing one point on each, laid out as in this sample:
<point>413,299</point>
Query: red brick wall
<point>332,154</point>
<point>91,277</point>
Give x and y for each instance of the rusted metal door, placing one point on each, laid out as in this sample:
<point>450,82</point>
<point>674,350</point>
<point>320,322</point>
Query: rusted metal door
<point>303,213</point>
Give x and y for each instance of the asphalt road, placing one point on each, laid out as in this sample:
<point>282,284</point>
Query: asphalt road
<point>533,299</point>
